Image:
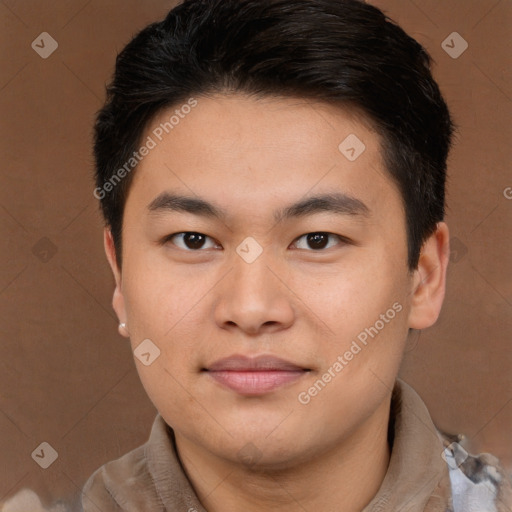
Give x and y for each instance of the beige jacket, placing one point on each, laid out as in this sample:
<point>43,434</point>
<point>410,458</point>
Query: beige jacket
<point>426,472</point>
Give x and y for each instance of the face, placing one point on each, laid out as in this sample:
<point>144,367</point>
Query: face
<point>268,265</point>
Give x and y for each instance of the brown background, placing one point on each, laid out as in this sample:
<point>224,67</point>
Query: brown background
<point>68,378</point>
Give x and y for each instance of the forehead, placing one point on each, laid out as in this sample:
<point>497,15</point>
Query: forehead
<point>262,149</point>
<point>286,125</point>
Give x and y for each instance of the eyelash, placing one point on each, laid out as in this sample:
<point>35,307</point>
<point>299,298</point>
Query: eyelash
<point>341,239</point>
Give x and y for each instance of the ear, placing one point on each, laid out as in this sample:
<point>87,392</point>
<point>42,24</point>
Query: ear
<point>430,279</point>
<point>118,298</point>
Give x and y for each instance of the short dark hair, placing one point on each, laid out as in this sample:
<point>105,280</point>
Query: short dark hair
<point>342,52</point>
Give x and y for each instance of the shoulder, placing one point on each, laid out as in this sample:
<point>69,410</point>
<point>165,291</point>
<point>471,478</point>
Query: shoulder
<point>122,484</point>
<point>148,478</point>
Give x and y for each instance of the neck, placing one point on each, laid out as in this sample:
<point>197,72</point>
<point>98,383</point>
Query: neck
<point>343,477</point>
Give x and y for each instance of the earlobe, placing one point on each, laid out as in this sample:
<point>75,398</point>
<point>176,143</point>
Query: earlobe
<point>118,299</point>
<point>429,282</point>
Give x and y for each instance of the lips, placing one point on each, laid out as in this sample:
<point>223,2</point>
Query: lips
<point>260,363</point>
<point>254,376</point>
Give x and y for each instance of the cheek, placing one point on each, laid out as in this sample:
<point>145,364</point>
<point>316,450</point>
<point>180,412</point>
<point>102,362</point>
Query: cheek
<point>172,394</point>
<point>351,296</point>
<point>158,296</point>
<point>168,308</point>
<point>365,310</point>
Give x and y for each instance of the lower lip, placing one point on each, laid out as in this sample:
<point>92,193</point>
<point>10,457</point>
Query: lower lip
<point>255,382</point>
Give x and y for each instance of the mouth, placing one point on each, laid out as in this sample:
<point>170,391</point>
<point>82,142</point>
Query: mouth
<point>253,376</point>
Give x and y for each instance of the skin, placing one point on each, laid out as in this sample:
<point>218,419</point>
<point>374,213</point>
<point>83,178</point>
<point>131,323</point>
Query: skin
<point>252,157</point>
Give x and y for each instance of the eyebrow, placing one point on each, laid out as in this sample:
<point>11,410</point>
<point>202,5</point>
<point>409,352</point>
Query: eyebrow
<point>338,203</point>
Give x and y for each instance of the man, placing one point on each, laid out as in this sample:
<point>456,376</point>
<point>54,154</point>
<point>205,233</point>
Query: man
<point>272,178</point>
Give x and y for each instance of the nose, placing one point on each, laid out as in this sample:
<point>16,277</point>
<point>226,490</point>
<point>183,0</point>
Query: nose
<point>254,298</point>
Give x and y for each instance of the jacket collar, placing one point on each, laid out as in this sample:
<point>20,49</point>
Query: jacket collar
<point>417,478</point>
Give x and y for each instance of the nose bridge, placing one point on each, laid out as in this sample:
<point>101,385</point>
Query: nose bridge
<point>252,275</point>
<point>252,296</point>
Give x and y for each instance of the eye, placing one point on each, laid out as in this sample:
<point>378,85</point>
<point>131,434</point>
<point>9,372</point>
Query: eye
<point>318,240</point>
<point>191,241</point>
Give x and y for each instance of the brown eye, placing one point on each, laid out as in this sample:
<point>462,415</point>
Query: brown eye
<point>190,240</point>
<point>318,240</point>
